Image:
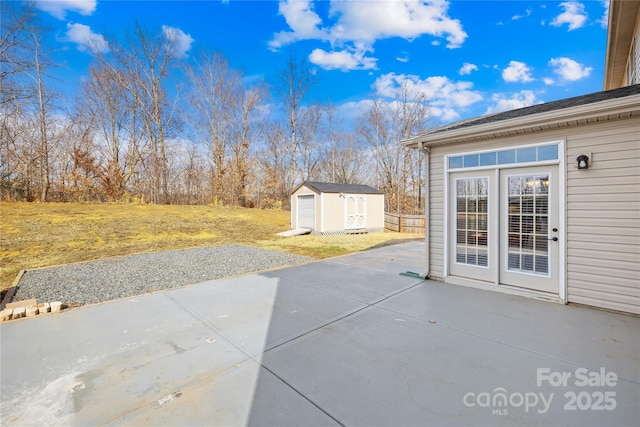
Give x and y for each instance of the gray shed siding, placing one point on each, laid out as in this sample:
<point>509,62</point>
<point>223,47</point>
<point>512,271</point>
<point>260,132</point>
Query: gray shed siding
<point>602,209</point>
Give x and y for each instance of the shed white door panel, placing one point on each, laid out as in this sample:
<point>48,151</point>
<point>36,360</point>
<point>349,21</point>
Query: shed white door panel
<point>355,211</point>
<point>306,212</point>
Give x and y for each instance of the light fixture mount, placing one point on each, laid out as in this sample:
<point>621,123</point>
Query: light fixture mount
<point>583,161</point>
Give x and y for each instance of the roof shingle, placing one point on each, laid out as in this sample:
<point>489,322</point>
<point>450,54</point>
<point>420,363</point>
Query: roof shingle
<point>542,108</point>
<point>330,187</point>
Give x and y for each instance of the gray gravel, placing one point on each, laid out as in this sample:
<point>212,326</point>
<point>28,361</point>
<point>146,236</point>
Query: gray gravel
<point>127,276</point>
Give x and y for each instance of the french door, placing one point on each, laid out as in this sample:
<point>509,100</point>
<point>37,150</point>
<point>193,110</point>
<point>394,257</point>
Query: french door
<point>503,227</point>
<point>529,228</point>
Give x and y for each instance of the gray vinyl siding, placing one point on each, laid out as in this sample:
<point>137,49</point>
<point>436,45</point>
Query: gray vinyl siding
<point>603,216</point>
<point>436,209</point>
<point>602,206</point>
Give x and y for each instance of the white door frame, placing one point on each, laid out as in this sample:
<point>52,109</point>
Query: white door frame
<point>561,294</point>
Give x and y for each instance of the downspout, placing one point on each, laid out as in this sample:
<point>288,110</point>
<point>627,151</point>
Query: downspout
<point>427,213</point>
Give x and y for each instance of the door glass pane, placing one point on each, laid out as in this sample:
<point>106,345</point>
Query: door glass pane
<point>488,159</point>
<point>524,155</point>
<point>528,247</point>
<point>549,152</point>
<point>471,221</point>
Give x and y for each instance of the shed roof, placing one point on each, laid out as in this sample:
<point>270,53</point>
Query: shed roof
<point>598,106</point>
<point>331,187</point>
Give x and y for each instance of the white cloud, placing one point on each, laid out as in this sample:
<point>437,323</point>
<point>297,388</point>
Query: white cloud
<point>548,81</point>
<point>521,99</point>
<point>404,58</point>
<point>59,8</point>
<point>302,20</point>
<point>409,19</point>
<point>352,28</point>
<point>527,12</point>
<point>517,72</point>
<point>467,68</point>
<point>573,15</point>
<point>182,40</point>
<point>342,60</point>
<point>87,40</point>
<point>604,21</point>
<point>445,96</point>
<point>569,70</point>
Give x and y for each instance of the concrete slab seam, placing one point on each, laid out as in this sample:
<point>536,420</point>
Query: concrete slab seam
<point>259,362</point>
<point>339,319</point>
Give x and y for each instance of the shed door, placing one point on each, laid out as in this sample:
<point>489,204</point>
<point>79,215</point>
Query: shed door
<point>355,211</point>
<point>306,212</point>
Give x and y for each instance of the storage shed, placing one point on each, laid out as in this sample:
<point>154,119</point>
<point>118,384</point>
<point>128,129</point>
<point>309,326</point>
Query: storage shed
<point>329,208</point>
<point>544,201</point>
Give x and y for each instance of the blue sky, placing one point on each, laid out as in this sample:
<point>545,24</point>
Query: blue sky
<point>470,57</point>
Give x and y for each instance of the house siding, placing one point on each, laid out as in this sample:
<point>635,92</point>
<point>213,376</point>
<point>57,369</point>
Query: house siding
<point>602,206</point>
<point>603,216</point>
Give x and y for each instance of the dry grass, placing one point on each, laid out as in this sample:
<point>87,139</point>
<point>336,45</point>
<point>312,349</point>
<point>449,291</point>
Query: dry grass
<point>39,235</point>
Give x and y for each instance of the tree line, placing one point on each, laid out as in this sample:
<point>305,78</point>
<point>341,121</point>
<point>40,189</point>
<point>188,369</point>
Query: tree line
<point>150,125</point>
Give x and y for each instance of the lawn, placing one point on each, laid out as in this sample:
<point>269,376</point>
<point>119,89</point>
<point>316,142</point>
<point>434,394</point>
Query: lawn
<point>39,235</point>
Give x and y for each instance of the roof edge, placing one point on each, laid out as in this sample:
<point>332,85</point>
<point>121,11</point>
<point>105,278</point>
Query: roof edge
<point>609,106</point>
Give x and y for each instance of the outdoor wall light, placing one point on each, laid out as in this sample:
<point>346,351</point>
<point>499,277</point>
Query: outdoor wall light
<point>583,161</point>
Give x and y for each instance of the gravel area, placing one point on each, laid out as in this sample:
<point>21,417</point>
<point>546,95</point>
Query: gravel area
<point>127,276</point>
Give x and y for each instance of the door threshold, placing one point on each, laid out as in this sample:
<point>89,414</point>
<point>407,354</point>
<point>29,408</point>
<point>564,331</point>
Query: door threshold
<point>504,289</point>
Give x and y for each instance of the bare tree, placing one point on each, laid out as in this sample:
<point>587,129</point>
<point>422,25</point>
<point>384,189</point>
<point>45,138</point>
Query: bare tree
<point>108,107</point>
<point>15,51</point>
<point>312,135</point>
<point>23,70</point>
<point>213,97</point>
<point>295,82</point>
<point>273,191</point>
<point>247,121</point>
<point>145,61</point>
<point>398,170</point>
<point>345,162</point>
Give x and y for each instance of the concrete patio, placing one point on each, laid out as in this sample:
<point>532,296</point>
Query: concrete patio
<point>346,341</point>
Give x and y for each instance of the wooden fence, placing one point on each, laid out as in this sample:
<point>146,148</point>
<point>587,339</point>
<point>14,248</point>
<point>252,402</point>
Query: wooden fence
<point>404,223</point>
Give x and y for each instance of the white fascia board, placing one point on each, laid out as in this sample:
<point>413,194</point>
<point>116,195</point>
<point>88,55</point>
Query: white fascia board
<point>547,118</point>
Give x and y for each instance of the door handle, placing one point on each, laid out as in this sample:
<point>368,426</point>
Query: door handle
<point>555,239</point>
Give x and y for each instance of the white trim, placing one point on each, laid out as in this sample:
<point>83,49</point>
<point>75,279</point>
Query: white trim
<point>562,222</point>
<point>321,212</point>
<point>512,147</point>
<point>505,165</point>
<point>503,289</point>
<point>445,229</point>
<point>541,121</point>
<point>494,220</point>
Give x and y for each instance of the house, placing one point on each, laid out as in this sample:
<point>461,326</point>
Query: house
<point>329,208</point>
<point>544,201</point>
